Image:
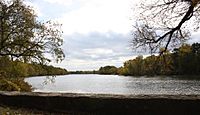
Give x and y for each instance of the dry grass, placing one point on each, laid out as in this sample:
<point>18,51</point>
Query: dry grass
<point>4,110</point>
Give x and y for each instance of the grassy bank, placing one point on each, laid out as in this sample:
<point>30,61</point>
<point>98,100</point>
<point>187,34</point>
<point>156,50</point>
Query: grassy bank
<point>5,110</point>
<point>12,73</point>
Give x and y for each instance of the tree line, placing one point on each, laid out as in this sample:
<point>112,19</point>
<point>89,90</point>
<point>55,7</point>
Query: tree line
<point>18,68</point>
<point>184,60</point>
<point>12,73</point>
<point>102,70</point>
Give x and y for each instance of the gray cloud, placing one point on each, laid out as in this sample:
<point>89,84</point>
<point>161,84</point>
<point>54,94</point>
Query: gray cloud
<point>194,38</point>
<point>97,46</point>
<point>97,49</point>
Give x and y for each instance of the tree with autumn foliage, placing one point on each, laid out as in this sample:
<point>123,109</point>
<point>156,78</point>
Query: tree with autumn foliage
<point>25,38</point>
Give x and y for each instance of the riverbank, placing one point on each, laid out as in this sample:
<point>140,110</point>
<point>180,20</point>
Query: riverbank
<point>5,110</point>
<point>101,104</point>
<point>10,110</point>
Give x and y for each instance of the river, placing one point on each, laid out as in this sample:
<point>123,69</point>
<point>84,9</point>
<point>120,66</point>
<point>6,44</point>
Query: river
<point>114,84</point>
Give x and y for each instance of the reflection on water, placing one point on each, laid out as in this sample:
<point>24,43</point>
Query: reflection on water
<point>49,80</point>
<point>113,84</point>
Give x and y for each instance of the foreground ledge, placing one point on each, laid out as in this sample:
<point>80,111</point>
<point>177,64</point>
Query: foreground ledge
<point>103,103</point>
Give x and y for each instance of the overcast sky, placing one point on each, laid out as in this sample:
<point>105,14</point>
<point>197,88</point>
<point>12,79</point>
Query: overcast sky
<point>96,32</point>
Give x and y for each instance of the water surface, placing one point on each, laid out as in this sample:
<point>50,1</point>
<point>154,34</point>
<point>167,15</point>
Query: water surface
<point>114,84</point>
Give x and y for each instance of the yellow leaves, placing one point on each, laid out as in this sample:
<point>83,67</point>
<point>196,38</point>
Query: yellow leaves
<point>24,37</point>
<point>15,86</point>
<point>185,48</point>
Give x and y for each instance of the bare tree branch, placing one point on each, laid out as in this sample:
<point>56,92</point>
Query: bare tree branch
<point>161,23</point>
